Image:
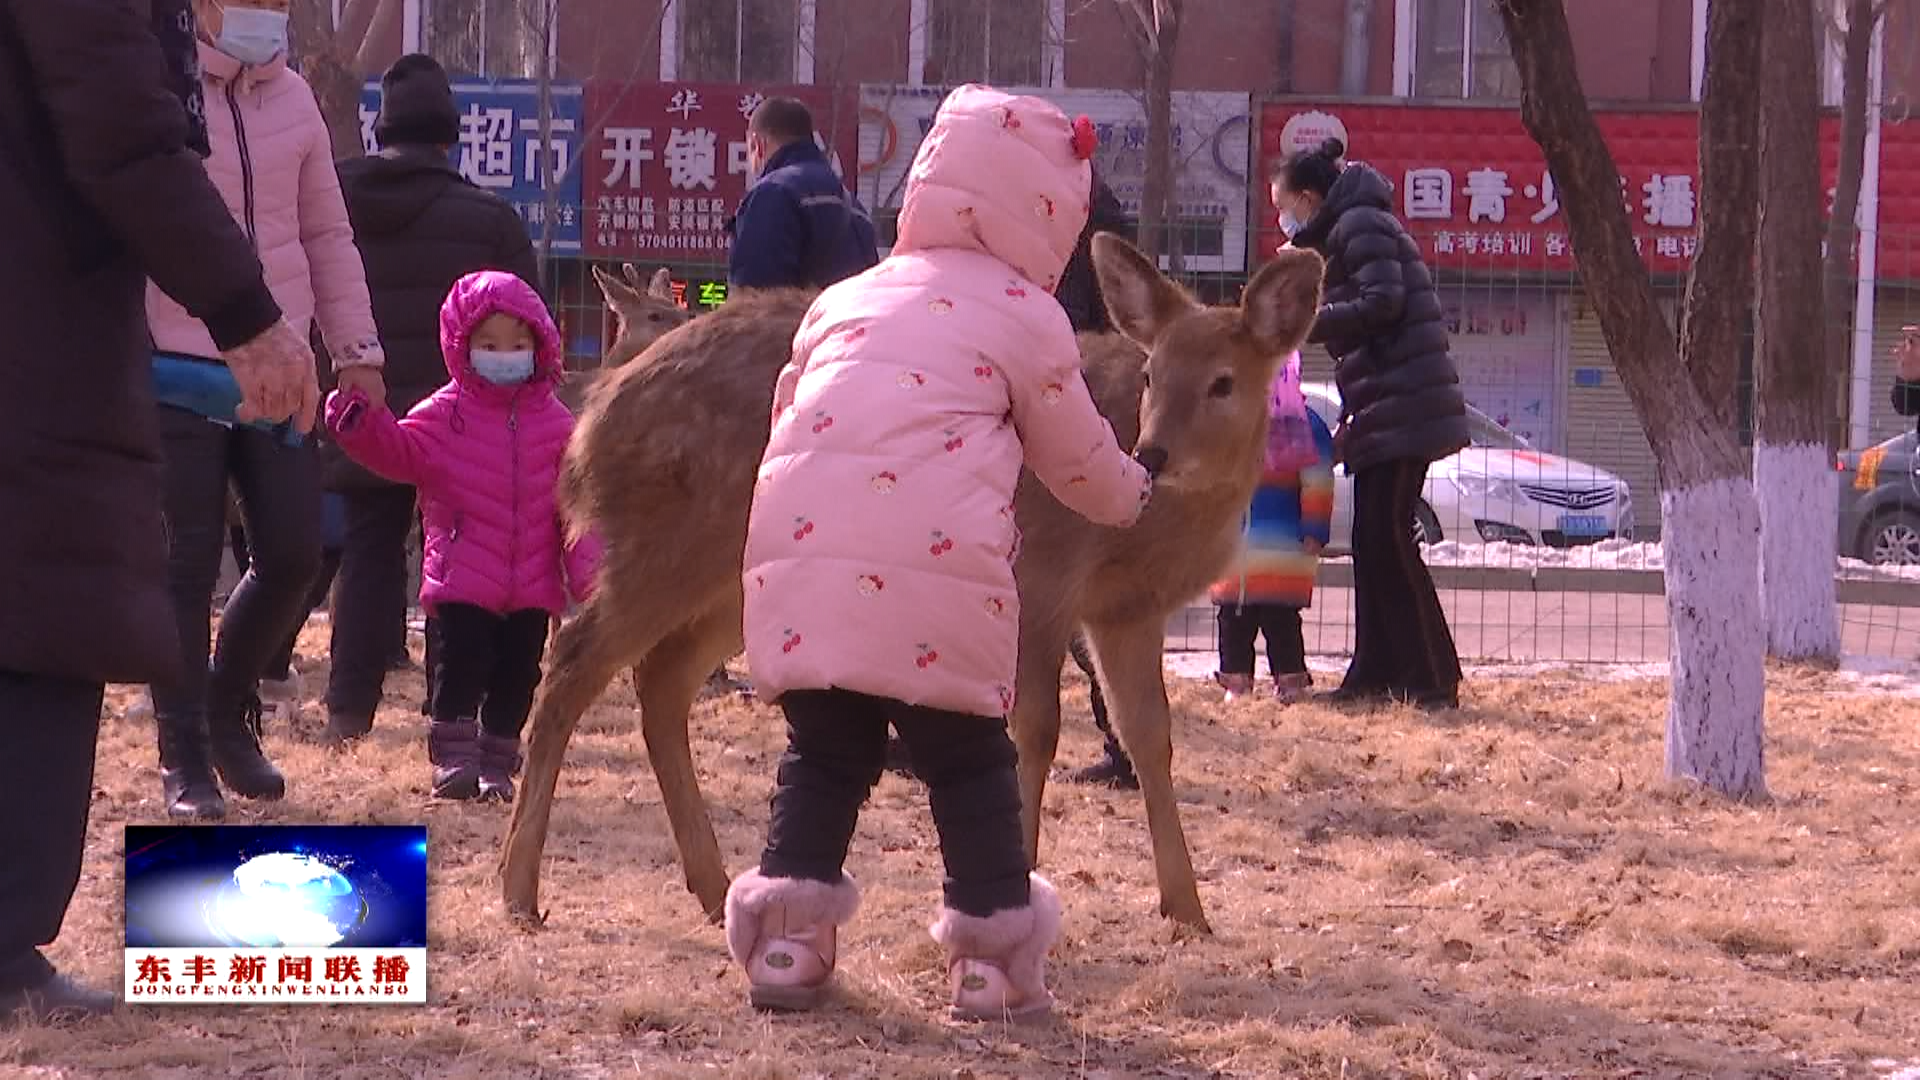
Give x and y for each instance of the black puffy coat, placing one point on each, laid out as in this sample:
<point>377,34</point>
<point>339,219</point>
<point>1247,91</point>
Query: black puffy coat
<point>1382,320</point>
<point>1079,288</point>
<point>420,227</point>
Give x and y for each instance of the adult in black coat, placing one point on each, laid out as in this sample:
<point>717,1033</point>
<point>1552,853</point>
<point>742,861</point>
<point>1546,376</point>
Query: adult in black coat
<point>101,189</point>
<point>1906,377</point>
<point>420,226</point>
<point>1401,410</point>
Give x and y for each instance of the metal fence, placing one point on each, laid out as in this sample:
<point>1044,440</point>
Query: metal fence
<point>1543,536</point>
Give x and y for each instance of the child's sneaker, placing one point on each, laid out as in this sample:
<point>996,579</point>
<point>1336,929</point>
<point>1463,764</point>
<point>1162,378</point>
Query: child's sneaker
<point>784,931</point>
<point>1291,687</point>
<point>997,966</point>
<point>1236,686</point>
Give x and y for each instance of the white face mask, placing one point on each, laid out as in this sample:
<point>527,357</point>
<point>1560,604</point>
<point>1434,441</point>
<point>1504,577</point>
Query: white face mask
<point>1288,223</point>
<point>503,368</point>
<point>252,35</point>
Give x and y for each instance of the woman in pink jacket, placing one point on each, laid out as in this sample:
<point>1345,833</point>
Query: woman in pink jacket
<point>273,163</point>
<point>879,562</point>
<point>484,452</point>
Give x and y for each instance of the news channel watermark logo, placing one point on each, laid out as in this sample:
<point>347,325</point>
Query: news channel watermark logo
<point>276,914</point>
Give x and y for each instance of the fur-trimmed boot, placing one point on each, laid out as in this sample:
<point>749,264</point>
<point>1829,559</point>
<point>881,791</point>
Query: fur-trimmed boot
<point>997,966</point>
<point>784,932</point>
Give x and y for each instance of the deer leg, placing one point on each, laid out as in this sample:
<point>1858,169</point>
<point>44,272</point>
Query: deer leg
<point>1129,658</point>
<point>1036,720</point>
<point>673,675</point>
<point>584,660</point>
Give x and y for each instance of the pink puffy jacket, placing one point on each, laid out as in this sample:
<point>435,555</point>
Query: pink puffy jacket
<point>273,163</point>
<point>881,546</point>
<point>486,459</point>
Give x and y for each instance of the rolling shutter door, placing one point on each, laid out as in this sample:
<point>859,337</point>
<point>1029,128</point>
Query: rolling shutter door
<point>1892,309</point>
<point>1602,428</point>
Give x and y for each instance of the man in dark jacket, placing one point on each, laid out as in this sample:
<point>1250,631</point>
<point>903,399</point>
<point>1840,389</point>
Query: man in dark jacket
<point>101,190</point>
<point>420,226</point>
<point>797,226</point>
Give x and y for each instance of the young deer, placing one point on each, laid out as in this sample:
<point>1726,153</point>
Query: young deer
<point>644,312</point>
<point>664,463</point>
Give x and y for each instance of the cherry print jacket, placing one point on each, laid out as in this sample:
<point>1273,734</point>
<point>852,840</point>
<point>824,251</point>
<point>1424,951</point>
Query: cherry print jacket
<point>487,460</point>
<point>273,163</point>
<point>880,550</point>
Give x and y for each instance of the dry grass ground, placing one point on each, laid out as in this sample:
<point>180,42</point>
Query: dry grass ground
<point>1504,892</point>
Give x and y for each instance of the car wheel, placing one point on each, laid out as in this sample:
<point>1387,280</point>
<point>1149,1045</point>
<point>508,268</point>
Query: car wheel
<point>1426,527</point>
<point>1893,539</point>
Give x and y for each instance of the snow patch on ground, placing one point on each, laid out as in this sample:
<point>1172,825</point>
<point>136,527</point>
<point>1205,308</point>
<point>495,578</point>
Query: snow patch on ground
<point>1605,555</point>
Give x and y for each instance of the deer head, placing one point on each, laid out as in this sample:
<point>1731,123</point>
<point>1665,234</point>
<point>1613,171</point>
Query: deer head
<point>1209,370</point>
<point>645,311</point>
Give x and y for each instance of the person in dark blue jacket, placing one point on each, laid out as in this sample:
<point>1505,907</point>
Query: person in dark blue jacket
<point>798,226</point>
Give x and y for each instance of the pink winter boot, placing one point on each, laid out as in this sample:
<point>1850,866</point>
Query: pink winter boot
<point>782,930</point>
<point>997,966</point>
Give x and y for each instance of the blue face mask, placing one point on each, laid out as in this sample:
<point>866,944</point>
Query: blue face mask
<point>503,368</point>
<point>251,35</point>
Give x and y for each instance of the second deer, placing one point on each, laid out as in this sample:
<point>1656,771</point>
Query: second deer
<point>664,461</point>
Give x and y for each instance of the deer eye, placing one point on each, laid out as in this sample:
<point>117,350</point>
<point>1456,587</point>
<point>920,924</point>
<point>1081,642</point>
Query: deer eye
<point>1221,387</point>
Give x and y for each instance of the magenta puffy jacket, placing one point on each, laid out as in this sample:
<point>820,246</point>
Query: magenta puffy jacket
<point>486,460</point>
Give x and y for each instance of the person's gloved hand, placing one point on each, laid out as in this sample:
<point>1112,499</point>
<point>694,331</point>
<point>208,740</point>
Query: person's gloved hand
<point>277,379</point>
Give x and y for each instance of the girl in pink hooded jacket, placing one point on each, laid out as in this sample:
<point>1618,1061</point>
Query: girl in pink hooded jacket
<point>273,164</point>
<point>879,562</point>
<point>485,453</point>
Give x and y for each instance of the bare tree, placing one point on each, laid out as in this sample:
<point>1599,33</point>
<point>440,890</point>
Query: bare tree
<point>1792,459</point>
<point>1715,715</point>
<point>331,58</point>
<point>1155,26</point>
<point>1856,38</point>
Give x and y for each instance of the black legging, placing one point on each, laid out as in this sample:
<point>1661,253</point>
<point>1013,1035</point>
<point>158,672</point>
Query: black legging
<point>279,492</point>
<point>1401,646</point>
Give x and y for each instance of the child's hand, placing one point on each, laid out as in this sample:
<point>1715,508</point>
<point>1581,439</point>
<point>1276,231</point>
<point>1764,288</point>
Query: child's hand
<point>346,409</point>
<point>365,381</point>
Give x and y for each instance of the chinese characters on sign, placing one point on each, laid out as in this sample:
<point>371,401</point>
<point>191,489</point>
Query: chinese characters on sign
<point>261,976</point>
<point>499,147</point>
<point>668,166</point>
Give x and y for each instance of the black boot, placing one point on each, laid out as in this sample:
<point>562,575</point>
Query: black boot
<point>1114,770</point>
<point>499,764</point>
<point>55,1000</point>
<point>186,775</point>
<point>234,735</point>
<point>345,729</point>
<point>453,747</point>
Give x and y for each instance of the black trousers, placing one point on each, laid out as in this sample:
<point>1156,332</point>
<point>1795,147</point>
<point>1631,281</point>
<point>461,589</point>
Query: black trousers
<point>1241,624</point>
<point>279,494</point>
<point>50,726</point>
<point>836,749</point>
<point>486,666</point>
<point>370,598</point>
<point>1402,645</point>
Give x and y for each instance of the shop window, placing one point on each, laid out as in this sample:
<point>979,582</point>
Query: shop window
<point>1002,42</point>
<point>747,41</point>
<point>489,39</point>
<point>1461,51</point>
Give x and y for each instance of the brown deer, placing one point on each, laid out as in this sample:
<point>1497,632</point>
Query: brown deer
<point>644,312</point>
<point>664,462</point>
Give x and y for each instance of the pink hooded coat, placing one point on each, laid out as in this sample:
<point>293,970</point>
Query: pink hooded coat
<point>880,551</point>
<point>273,163</point>
<point>486,459</point>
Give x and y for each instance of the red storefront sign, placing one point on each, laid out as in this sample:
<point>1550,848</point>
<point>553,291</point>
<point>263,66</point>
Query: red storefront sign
<point>1473,187</point>
<point>667,163</point>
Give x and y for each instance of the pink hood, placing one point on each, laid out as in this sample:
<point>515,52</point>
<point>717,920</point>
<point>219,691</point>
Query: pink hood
<point>998,174</point>
<point>489,292</point>
<point>273,165</point>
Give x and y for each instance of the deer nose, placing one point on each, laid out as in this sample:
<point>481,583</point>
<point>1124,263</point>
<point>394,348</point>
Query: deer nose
<point>1151,458</point>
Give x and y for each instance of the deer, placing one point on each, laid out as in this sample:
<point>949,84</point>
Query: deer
<point>663,464</point>
<point>644,312</point>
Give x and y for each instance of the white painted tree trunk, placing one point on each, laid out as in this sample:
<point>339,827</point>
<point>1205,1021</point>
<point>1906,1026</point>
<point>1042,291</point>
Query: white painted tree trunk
<point>1799,505</point>
<point>1716,711</point>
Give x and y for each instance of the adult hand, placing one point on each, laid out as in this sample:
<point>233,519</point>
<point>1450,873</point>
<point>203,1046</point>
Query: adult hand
<point>1340,443</point>
<point>367,380</point>
<point>276,376</point>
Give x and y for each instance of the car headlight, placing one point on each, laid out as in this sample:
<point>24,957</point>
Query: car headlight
<point>1489,489</point>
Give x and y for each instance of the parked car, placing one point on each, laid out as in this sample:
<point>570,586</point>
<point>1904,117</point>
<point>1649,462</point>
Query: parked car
<point>1500,488</point>
<point>1880,502</point>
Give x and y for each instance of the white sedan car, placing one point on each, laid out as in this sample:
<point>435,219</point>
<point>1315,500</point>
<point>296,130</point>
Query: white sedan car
<point>1498,489</point>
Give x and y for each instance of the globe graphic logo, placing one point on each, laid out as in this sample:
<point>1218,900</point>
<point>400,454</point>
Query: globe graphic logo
<point>286,900</point>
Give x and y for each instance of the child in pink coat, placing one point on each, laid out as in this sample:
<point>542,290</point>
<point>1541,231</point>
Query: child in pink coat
<point>879,562</point>
<point>485,453</point>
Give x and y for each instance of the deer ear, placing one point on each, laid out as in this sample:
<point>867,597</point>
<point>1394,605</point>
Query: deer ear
<point>661,287</point>
<point>616,291</point>
<point>1142,302</point>
<point>1282,300</point>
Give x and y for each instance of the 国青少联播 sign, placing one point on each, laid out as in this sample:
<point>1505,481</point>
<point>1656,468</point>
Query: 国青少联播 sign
<point>667,164</point>
<point>500,148</point>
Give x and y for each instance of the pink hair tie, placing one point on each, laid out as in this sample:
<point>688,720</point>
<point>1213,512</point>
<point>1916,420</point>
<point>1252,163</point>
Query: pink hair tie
<point>1085,142</point>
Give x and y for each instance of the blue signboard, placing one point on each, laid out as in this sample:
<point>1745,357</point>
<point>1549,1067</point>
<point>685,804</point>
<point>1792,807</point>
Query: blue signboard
<point>499,147</point>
